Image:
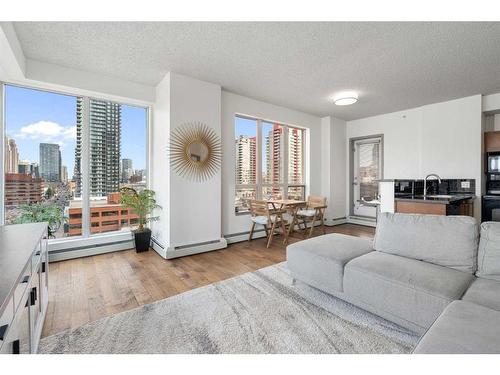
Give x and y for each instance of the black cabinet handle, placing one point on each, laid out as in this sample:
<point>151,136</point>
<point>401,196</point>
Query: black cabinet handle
<point>3,330</point>
<point>43,267</point>
<point>33,296</point>
<point>25,279</point>
<point>15,347</point>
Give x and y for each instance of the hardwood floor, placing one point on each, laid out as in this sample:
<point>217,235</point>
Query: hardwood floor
<point>86,289</point>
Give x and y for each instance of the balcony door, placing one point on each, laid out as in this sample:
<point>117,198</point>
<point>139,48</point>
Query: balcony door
<point>367,170</point>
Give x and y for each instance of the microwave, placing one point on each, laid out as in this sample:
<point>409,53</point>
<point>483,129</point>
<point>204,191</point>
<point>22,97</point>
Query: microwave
<point>493,162</point>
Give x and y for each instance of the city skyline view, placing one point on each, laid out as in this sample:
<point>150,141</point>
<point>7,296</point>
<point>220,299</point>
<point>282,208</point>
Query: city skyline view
<point>275,144</point>
<point>43,151</point>
<point>35,116</point>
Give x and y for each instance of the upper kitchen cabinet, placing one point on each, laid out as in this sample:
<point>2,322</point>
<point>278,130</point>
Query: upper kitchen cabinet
<point>492,141</point>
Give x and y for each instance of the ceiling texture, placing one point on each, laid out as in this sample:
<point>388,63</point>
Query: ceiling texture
<point>300,65</point>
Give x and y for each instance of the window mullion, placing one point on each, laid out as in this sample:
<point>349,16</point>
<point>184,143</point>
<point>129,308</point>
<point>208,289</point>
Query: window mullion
<point>85,168</point>
<point>285,162</point>
<point>258,177</point>
<point>2,155</point>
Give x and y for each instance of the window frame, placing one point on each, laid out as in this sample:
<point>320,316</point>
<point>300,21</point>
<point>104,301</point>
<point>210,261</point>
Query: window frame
<point>67,244</point>
<point>259,184</point>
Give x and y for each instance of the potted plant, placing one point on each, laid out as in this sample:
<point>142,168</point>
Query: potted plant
<point>142,203</point>
<point>38,212</point>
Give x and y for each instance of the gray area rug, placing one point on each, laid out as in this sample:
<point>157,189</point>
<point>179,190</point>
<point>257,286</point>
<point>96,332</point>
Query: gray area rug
<point>258,312</point>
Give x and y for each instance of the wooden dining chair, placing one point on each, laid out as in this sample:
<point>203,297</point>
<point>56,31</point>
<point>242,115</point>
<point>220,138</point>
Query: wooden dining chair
<point>271,219</point>
<point>313,211</point>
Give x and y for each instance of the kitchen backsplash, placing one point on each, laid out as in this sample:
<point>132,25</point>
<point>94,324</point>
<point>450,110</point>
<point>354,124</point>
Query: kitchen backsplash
<point>447,186</point>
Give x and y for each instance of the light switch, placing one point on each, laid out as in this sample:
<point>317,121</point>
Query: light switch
<point>465,184</point>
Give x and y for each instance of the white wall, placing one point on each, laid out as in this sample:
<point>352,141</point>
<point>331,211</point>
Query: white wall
<point>12,61</point>
<point>333,159</point>
<point>443,138</point>
<point>159,166</point>
<point>491,103</point>
<point>191,212</point>
<point>67,77</point>
<point>233,104</point>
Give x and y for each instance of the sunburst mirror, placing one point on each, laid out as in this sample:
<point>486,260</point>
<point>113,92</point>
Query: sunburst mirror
<point>195,151</point>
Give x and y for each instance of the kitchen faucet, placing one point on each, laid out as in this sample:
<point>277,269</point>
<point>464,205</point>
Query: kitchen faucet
<point>425,182</point>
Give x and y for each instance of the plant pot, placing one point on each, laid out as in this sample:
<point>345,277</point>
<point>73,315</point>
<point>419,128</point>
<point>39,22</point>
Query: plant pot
<point>142,240</point>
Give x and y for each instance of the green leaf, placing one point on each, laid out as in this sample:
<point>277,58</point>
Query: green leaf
<point>141,203</point>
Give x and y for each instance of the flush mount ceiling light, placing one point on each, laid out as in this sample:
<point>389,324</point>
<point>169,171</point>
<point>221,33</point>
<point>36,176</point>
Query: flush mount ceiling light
<point>346,98</point>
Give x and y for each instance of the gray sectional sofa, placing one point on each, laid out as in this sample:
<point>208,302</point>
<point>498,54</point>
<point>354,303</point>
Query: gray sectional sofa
<point>435,275</point>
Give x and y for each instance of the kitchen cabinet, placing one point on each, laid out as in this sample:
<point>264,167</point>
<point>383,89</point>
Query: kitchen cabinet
<point>23,286</point>
<point>492,141</point>
<point>419,206</point>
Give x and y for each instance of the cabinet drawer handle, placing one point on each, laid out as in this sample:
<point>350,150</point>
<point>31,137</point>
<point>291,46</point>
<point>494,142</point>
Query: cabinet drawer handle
<point>25,279</point>
<point>33,296</point>
<point>15,347</point>
<point>3,329</point>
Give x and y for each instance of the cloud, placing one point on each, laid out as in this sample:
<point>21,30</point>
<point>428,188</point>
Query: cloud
<point>47,131</point>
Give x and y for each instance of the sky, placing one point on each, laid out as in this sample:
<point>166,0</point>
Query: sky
<point>33,117</point>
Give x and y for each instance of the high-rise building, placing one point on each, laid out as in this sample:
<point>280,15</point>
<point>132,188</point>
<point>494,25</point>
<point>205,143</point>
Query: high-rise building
<point>77,171</point>
<point>11,156</point>
<point>246,160</point>
<point>127,170</point>
<point>35,170</point>
<point>64,174</point>
<point>273,173</point>
<point>50,162</point>
<point>105,128</point>
<point>24,167</point>
<point>295,149</point>
<point>275,143</point>
<point>22,189</point>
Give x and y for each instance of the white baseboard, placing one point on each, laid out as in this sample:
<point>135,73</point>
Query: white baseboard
<point>333,222</point>
<point>240,237</point>
<point>160,249</point>
<point>369,222</point>
<point>171,252</point>
<point>243,236</point>
<point>71,254</point>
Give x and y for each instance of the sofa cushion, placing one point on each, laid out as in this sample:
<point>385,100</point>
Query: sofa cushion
<point>320,261</point>
<point>489,251</point>
<point>412,290</point>
<point>462,328</point>
<point>484,292</point>
<point>449,241</point>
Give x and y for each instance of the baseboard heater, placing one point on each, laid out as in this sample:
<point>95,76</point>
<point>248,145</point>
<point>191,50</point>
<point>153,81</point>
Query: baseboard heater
<point>88,250</point>
<point>188,249</point>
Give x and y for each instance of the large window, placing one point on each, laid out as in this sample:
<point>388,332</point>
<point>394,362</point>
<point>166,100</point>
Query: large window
<point>39,157</point>
<point>269,161</point>
<point>117,159</point>
<point>66,159</point>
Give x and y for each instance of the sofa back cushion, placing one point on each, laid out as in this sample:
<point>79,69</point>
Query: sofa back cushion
<point>489,251</point>
<point>450,241</point>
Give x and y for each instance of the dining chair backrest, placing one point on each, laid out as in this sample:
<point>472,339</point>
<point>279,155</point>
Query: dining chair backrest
<point>259,208</point>
<point>315,201</point>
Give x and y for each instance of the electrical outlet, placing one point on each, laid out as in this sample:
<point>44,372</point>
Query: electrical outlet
<point>465,184</point>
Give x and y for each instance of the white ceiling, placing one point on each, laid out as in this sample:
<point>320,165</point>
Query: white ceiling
<point>299,65</point>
